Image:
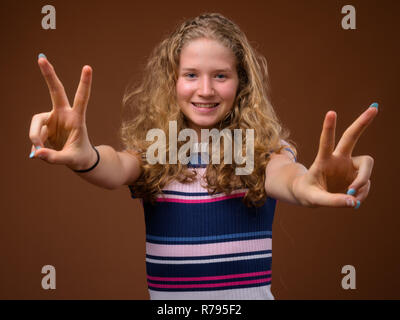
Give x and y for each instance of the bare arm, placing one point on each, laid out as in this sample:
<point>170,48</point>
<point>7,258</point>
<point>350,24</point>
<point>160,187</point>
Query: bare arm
<point>280,173</point>
<point>114,170</point>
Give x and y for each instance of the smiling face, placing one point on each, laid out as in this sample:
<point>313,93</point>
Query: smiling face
<point>207,83</point>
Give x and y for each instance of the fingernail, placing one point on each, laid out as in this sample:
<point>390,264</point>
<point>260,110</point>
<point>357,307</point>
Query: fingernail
<point>374,105</point>
<point>32,154</point>
<point>38,147</point>
<point>41,55</point>
<point>351,192</point>
<point>358,205</point>
<point>350,202</point>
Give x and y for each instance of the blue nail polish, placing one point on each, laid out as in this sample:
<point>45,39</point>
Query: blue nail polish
<point>351,192</point>
<point>358,205</point>
<point>42,56</point>
<point>32,154</point>
<point>374,105</point>
<point>38,147</point>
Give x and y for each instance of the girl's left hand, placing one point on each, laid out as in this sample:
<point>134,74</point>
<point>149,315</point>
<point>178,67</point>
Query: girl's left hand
<point>335,171</point>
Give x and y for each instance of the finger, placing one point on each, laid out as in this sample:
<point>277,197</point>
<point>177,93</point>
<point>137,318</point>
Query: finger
<point>364,165</point>
<point>83,92</point>
<point>362,192</point>
<point>352,134</point>
<point>327,199</point>
<point>44,134</point>
<point>35,131</point>
<point>44,137</point>
<point>327,139</point>
<point>33,150</point>
<point>57,92</point>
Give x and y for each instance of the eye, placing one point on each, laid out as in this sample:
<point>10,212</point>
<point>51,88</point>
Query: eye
<point>220,76</point>
<point>190,75</point>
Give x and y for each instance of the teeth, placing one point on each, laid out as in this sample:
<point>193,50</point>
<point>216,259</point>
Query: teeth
<point>206,105</point>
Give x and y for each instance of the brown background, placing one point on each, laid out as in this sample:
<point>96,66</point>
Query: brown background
<point>95,237</point>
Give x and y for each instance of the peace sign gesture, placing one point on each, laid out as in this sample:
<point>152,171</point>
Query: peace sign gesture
<point>64,127</point>
<point>335,170</point>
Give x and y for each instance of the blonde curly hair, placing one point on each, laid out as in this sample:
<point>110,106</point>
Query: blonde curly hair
<point>153,104</point>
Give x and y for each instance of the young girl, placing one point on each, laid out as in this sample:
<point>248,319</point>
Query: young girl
<point>208,229</point>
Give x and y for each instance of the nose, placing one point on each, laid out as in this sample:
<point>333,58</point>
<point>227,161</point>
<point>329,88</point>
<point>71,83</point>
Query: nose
<point>206,87</point>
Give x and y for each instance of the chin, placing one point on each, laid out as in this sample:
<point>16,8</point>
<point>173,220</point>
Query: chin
<point>204,124</point>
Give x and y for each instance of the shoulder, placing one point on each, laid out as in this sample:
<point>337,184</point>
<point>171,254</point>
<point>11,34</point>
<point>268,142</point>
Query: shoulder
<point>289,150</point>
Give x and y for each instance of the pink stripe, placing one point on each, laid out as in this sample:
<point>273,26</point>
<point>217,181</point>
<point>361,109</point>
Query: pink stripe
<point>207,285</point>
<point>230,276</point>
<point>238,195</point>
<point>208,249</point>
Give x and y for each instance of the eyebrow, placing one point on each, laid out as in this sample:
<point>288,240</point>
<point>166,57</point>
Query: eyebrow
<point>218,70</point>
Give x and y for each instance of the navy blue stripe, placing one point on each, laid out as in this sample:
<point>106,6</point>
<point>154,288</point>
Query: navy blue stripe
<point>234,236</point>
<point>209,241</point>
<point>211,257</point>
<point>208,269</point>
<point>168,219</point>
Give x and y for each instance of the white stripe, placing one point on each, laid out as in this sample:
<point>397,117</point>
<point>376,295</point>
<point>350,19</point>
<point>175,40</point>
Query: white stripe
<point>257,256</point>
<point>255,293</point>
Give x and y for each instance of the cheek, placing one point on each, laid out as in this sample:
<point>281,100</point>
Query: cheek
<point>228,92</point>
<point>184,90</point>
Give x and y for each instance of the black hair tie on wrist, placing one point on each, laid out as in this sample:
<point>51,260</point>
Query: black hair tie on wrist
<point>94,166</point>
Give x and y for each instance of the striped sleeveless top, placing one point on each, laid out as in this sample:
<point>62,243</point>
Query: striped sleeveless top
<point>207,247</point>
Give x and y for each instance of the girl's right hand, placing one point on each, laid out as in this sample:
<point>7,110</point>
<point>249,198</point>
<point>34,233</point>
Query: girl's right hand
<point>63,129</point>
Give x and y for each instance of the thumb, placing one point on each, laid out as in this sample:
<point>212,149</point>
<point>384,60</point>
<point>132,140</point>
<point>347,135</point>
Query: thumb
<point>336,200</point>
<point>51,156</point>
